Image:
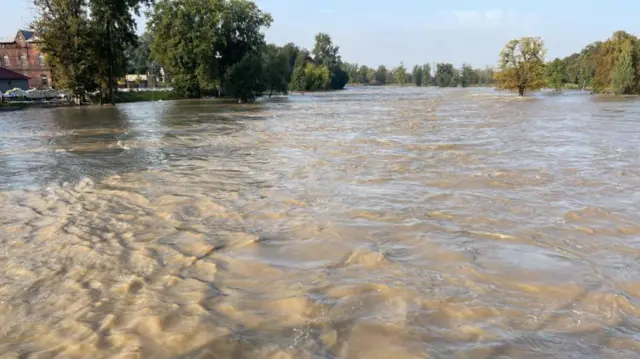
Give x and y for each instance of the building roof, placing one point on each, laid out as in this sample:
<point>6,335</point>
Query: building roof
<point>6,74</point>
<point>28,35</point>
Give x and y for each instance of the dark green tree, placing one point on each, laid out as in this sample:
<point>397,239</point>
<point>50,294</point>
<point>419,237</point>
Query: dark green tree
<point>556,74</point>
<point>418,75</point>
<point>381,75</point>
<point>276,70</point>
<point>326,54</point>
<point>66,36</point>
<point>427,79</point>
<point>467,76</point>
<point>245,80</point>
<point>446,75</point>
<point>199,40</point>
<point>364,75</point>
<point>623,74</point>
<point>114,26</point>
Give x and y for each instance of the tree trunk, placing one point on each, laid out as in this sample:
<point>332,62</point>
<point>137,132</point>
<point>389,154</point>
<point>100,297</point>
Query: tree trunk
<point>110,79</point>
<point>520,91</point>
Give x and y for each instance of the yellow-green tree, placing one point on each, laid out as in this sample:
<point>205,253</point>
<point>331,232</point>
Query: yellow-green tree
<point>521,65</point>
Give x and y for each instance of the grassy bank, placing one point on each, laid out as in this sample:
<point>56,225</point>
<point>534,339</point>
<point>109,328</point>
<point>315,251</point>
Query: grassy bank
<point>141,96</point>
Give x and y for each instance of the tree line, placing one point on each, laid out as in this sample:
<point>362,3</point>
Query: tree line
<point>445,75</point>
<point>209,48</point>
<point>217,48</point>
<point>610,66</point>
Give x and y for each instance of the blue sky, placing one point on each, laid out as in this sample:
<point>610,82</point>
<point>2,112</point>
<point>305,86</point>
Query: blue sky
<point>376,32</point>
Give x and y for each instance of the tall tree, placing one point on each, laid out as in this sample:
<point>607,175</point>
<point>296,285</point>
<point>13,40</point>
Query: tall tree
<point>622,76</point>
<point>363,74</point>
<point>587,63</point>
<point>245,80</point>
<point>276,69</point>
<point>467,76</point>
<point>114,25</point>
<point>199,40</point>
<point>65,33</point>
<point>427,79</point>
<point>381,75</point>
<point>326,54</point>
<point>612,61</point>
<point>556,74</point>
<point>401,74</point>
<point>418,75</point>
<point>446,75</point>
<point>521,65</point>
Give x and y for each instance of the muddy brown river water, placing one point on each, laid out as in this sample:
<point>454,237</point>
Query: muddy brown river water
<point>369,223</point>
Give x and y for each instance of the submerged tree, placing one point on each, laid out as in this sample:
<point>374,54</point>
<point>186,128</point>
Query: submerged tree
<point>245,80</point>
<point>446,75</point>
<point>467,77</point>
<point>381,75</point>
<point>64,29</point>
<point>401,74</point>
<point>623,74</point>
<point>199,40</point>
<point>521,65</point>
<point>276,70</point>
<point>418,75</point>
<point>556,74</point>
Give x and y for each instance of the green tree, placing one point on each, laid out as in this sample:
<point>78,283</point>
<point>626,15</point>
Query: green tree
<point>418,75</point>
<point>587,63</point>
<point>427,79</point>
<point>245,80</point>
<point>318,77</point>
<point>446,75</point>
<point>623,74</point>
<point>612,64</point>
<point>326,54</point>
<point>199,40</point>
<point>467,76</point>
<point>556,74</point>
<point>521,65</point>
<point>363,74</point>
<point>276,70</point>
<point>298,79</point>
<point>381,75</point>
<point>139,60</point>
<point>401,74</point>
<point>114,26</point>
<point>65,33</point>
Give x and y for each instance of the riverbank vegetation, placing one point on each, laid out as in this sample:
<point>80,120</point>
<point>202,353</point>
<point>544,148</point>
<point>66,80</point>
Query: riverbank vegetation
<point>206,48</point>
<point>217,48</point>
<point>610,66</point>
<point>445,75</point>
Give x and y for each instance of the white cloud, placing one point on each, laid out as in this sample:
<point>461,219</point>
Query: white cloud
<point>491,18</point>
<point>467,15</point>
<point>493,15</point>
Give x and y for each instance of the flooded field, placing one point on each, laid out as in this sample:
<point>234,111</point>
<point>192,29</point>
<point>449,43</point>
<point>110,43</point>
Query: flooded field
<point>369,223</point>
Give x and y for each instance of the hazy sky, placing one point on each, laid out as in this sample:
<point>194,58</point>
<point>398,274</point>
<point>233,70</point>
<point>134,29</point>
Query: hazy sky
<point>376,32</point>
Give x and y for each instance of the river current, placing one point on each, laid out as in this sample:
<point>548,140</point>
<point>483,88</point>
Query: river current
<point>367,223</point>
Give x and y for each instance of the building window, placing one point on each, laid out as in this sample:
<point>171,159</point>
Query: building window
<point>23,60</point>
<point>44,80</point>
<point>41,60</point>
<point>5,60</point>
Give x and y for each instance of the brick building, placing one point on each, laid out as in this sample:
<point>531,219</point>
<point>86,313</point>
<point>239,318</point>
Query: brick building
<point>23,56</point>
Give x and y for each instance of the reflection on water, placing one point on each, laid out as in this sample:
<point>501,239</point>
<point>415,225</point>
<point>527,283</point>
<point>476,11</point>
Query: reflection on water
<point>369,223</point>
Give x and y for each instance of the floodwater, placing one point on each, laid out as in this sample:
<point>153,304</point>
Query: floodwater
<point>368,223</point>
